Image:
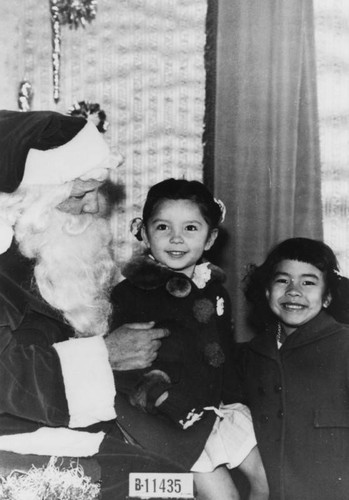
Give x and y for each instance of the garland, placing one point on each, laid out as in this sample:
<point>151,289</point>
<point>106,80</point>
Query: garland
<point>49,483</point>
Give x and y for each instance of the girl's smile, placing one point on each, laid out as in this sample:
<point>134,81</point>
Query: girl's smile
<point>177,235</point>
<point>175,254</point>
<point>296,293</point>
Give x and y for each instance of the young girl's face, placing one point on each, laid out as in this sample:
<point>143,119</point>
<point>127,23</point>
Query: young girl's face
<point>177,235</point>
<point>296,293</point>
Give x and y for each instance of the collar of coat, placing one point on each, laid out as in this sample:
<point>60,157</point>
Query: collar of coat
<point>144,272</point>
<point>323,325</point>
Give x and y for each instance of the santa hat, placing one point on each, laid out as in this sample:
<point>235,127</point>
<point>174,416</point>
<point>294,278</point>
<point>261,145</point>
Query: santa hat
<point>45,147</point>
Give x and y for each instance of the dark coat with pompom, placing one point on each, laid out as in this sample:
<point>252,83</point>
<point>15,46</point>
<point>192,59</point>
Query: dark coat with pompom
<point>195,357</point>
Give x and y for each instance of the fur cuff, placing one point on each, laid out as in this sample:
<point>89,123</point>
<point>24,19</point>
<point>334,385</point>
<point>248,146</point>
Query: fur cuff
<point>89,381</point>
<point>58,441</point>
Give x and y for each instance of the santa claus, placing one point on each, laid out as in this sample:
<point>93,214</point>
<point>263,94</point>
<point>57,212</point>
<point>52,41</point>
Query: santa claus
<point>57,268</point>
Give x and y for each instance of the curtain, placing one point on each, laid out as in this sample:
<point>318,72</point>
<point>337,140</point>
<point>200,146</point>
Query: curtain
<point>266,165</point>
<point>332,56</point>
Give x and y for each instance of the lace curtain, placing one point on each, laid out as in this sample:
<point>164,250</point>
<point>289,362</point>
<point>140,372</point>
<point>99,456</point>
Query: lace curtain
<point>332,54</point>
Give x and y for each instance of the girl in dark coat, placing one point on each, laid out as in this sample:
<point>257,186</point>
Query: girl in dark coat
<point>295,371</point>
<point>176,401</point>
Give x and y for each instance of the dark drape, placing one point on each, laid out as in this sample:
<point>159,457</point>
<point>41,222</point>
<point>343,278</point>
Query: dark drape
<point>262,150</point>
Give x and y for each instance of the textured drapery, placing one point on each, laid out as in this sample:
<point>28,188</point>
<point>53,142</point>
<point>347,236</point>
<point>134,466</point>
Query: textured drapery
<point>266,151</point>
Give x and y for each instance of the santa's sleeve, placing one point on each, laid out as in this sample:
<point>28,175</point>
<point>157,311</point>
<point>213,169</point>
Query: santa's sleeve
<point>88,380</point>
<point>69,384</point>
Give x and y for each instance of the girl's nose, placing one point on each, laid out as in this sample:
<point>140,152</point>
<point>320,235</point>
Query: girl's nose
<point>294,289</point>
<point>176,237</point>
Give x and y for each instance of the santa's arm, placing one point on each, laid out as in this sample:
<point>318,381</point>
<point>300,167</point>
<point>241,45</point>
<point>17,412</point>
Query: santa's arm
<point>69,384</point>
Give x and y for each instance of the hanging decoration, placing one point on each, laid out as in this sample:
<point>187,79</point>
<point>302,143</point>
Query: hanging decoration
<point>56,48</point>
<point>74,13</point>
<point>91,111</point>
<point>25,96</point>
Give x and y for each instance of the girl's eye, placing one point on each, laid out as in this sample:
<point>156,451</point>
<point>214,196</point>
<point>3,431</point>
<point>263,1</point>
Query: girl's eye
<point>78,196</point>
<point>191,227</point>
<point>281,280</point>
<point>308,282</point>
<point>161,227</point>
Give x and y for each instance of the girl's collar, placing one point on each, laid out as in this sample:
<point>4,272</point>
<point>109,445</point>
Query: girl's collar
<point>145,272</point>
<point>201,274</point>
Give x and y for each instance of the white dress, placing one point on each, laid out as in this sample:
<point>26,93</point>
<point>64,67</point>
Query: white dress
<point>231,440</point>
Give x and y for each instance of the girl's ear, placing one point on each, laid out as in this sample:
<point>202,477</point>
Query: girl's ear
<point>267,294</point>
<point>327,300</point>
<point>211,239</point>
<point>145,237</point>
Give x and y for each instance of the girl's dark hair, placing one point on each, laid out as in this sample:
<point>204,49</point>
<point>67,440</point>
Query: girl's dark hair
<point>314,252</point>
<point>181,189</point>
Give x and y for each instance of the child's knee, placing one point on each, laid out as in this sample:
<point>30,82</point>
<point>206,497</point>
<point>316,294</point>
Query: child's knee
<point>258,471</point>
<point>253,468</point>
<point>258,481</point>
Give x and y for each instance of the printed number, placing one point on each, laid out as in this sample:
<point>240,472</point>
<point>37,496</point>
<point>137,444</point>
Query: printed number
<point>147,484</point>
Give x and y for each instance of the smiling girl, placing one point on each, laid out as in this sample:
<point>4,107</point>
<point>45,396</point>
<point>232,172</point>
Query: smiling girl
<point>297,293</point>
<point>184,405</point>
<point>295,371</point>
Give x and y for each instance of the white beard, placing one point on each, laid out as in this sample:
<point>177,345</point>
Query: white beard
<point>75,269</point>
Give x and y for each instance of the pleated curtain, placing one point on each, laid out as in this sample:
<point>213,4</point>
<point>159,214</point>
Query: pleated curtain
<point>264,160</point>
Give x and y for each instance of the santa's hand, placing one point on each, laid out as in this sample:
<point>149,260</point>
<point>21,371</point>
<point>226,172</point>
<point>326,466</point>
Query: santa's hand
<point>134,345</point>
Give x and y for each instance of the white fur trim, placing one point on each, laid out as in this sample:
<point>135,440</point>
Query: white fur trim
<point>86,156</point>
<point>89,381</point>
<point>53,441</point>
<point>202,275</point>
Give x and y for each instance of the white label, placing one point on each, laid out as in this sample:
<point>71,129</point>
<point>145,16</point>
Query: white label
<point>160,485</point>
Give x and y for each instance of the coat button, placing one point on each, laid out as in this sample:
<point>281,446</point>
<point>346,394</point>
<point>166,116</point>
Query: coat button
<point>277,388</point>
<point>280,414</point>
<point>264,419</point>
